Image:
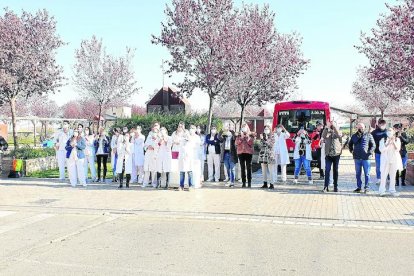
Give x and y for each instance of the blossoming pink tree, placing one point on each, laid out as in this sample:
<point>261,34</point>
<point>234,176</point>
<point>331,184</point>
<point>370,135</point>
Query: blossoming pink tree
<point>390,50</point>
<point>265,63</point>
<point>103,78</point>
<point>196,33</point>
<point>373,96</point>
<point>28,68</point>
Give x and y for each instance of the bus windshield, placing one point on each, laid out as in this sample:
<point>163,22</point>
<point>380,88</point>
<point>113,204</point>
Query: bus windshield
<point>293,120</point>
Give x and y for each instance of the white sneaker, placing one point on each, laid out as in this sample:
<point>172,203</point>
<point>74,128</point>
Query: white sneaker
<point>295,181</point>
<point>226,180</point>
<point>383,194</point>
<point>378,181</point>
<point>395,194</point>
<point>210,180</point>
<point>310,182</point>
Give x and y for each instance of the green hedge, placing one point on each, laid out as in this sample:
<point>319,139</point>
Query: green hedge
<point>169,121</point>
<point>27,152</point>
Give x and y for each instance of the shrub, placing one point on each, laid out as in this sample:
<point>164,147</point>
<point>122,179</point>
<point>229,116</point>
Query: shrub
<point>27,152</point>
<point>169,121</point>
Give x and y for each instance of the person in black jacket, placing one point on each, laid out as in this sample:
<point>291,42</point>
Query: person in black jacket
<point>213,155</point>
<point>3,144</point>
<point>229,156</point>
<point>379,133</point>
<point>3,147</point>
<point>404,141</point>
<point>362,146</point>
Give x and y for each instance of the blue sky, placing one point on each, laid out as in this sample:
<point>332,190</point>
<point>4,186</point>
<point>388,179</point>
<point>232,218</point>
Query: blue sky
<point>329,30</point>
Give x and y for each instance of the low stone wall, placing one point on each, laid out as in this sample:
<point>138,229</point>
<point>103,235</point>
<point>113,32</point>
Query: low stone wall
<point>39,164</point>
<point>30,165</point>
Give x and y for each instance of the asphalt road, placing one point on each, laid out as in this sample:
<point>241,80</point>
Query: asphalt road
<point>129,244</point>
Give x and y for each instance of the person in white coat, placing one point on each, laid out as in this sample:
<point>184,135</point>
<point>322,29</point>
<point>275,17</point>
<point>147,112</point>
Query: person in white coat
<point>202,151</point>
<point>150,161</point>
<point>90,153</point>
<point>75,155</point>
<point>391,161</point>
<point>139,155</point>
<point>124,161</point>
<point>281,151</point>
<point>188,156</point>
<point>302,155</point>
<point>164,157</point>
<point>114,155</point>
<point>61,139</point>
<point>197,173</point>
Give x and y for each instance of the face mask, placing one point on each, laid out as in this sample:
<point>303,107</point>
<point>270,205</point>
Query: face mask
<point>75,134</point>
<point>198,131</point>
<point>382,127</point>
<point>302,135</point>
<point>390,134</point>
<point>163,132</point>
<point>279,130</point>
<point>192,131</point>
<point>213,131</point>
<point>65,127</point>
<point>87,132</point>
<point>267,131</point>
<point>244,129</point>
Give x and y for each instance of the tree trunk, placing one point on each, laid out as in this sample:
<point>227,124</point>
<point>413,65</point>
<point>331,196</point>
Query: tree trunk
<point>99,118</point>
<point>382,114</point>
<point>13,115</point>
<point>210,114</point>
<point>241,115</point>
<point>34,133</point>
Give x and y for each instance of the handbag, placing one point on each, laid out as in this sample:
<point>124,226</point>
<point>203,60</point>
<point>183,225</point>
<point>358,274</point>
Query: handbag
<point>175,154</point>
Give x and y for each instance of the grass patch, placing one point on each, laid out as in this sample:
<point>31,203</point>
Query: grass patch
<point>55,173</point>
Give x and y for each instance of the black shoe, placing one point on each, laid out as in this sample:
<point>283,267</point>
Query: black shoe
<point>321,177</point>
<point>403,184</point>
<point>335,189</point>
<point>357,190</point>
<point>325,190</point>
<point>397,184</point>
<point>264,185</point>
<point>120,187</point>
<point>231,185</point>
<point>271,187</point>
<point>244,185</point>
<point>249,185</point>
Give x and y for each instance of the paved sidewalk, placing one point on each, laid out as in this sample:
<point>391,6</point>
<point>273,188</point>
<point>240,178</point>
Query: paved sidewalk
<point>286,204</point>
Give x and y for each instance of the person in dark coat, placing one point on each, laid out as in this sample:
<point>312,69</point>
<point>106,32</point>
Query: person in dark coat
<point>362,146</point>
<point>229,156</point>
<point>379,133</point>
<point>400,133</point>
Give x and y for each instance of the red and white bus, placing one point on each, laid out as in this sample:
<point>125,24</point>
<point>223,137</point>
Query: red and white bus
<point>301,114</point>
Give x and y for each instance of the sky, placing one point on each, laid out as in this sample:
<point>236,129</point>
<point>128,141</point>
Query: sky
<point>329,29</point>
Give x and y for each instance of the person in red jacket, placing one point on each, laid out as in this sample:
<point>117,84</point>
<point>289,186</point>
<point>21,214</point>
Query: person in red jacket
<point>244,144</point>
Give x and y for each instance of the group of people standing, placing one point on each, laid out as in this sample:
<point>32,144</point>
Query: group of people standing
<point>152,159</point>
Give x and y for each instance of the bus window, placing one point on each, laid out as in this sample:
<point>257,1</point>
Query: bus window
<point>293,120</point>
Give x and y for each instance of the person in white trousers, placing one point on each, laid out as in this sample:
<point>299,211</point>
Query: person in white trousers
<point>202,152</point>
<point>164,157</point>
<point>61,138</point>
<point>267,158</point>
<point>114,155</point>
<point>213,155</point>
<point>90,154</point>
<point>188,157</point>
<point>75,147</point>
<point>281,151</point>
<point>150,161</point>
<point>391,161</point>
<point>125,151</point>
<point>139,156</point>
